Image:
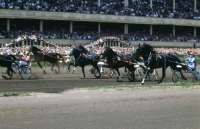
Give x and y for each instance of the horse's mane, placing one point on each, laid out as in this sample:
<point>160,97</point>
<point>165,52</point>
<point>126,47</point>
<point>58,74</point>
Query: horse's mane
<point>34,48</point>
<point>83,49</point>
<point>111,50</point>
<point>147,46</point>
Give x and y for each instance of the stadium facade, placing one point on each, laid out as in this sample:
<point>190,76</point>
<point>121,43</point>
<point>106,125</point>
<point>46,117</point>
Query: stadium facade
<point>40,17</point>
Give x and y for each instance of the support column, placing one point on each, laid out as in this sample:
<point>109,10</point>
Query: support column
<point>41,25</point>
<point>99,28</point>
<point>151,29</point>
<point>151,4</point>
<point>125,3</point>
<point>125,28</point>
<point>174,31</point>
<point>195,5</point>
<point>195,31</point>
<point>8,24</point>
<point>41,43</point>
<point>173,4</point>
<point>71,27</point>
<point>22,42</point>
<point>99,3</point>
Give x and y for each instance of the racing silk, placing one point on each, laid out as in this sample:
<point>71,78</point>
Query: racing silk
<point>26,58</point>
<point>191,62</point>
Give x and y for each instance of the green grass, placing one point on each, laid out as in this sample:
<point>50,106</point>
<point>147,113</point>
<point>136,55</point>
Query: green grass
<point>9,94</point>
<point>115,87</point>
<point>135,86</point>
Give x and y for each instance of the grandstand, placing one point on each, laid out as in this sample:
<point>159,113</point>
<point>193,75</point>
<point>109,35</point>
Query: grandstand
<point>169,23</point>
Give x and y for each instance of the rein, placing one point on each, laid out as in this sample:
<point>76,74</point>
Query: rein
<point>47,55</point>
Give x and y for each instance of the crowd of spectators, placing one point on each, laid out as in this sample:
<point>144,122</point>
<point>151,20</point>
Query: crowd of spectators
<point>95,47</point>
<point>160,8</point>
<point>134,35</point>
<point>64,50</point>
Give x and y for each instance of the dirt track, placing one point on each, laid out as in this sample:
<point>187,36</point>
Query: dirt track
<point>52,82</point>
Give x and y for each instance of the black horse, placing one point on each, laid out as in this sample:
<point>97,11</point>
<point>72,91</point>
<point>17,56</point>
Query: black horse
<point>153,60</point>
<point>6,61</point>
<point>116,61</point>
<point>83,58</point>
<point>39,56</point>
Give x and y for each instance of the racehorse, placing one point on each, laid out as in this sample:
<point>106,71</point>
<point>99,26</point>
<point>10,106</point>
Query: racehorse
<point>83,58</point>
<point>153,61</point>
<point>39,56</point>
<point>116,61</point>
<point>6,61</point>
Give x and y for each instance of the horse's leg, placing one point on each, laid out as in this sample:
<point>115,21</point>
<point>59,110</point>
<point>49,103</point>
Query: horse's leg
<point>97,68</point>
<point>132,70</point>
<point>74,69</point>
<point>163,75</point>
<point>145,76</point>
<point>53,64</point>
<point>182,76</point>
<point>57,64</point>
<point>119,76</point>
<point>68,66</point>
<point>9,69</point>
<point>83,71</point>
<point>61,65</point>
<point>41,67</point>
<point>125,71</point>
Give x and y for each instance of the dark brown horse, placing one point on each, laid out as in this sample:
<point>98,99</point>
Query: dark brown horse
<point>153,61</point>
<point>6,61</point>
<point>116,61</point>
<point>83,58</point>
<point>39,56</point>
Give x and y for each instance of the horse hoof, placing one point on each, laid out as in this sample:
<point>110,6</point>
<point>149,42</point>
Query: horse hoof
<point>82,78</point>
<point>6,77</point>
<point>119,80</point>
<point>44,72</point>
<point>159,82</point>
<point>141,83</point>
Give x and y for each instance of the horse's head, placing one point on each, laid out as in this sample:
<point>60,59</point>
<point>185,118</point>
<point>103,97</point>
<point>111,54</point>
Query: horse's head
<point>103,53</point>
<point>82,49</point>
<point>74,51</point>
<point>107,53</point>
<point>143,50</point>
<point>34,49</point>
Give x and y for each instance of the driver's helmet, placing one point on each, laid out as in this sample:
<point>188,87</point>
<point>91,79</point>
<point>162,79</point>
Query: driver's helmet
<point>26,52</point>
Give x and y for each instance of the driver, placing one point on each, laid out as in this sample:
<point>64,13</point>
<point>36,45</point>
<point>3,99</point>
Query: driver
<point>25,59</point>
<point>191,60</point>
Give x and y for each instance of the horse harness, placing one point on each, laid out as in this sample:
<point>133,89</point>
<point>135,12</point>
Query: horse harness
<point>153,58</point>
<point>43,54</point>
